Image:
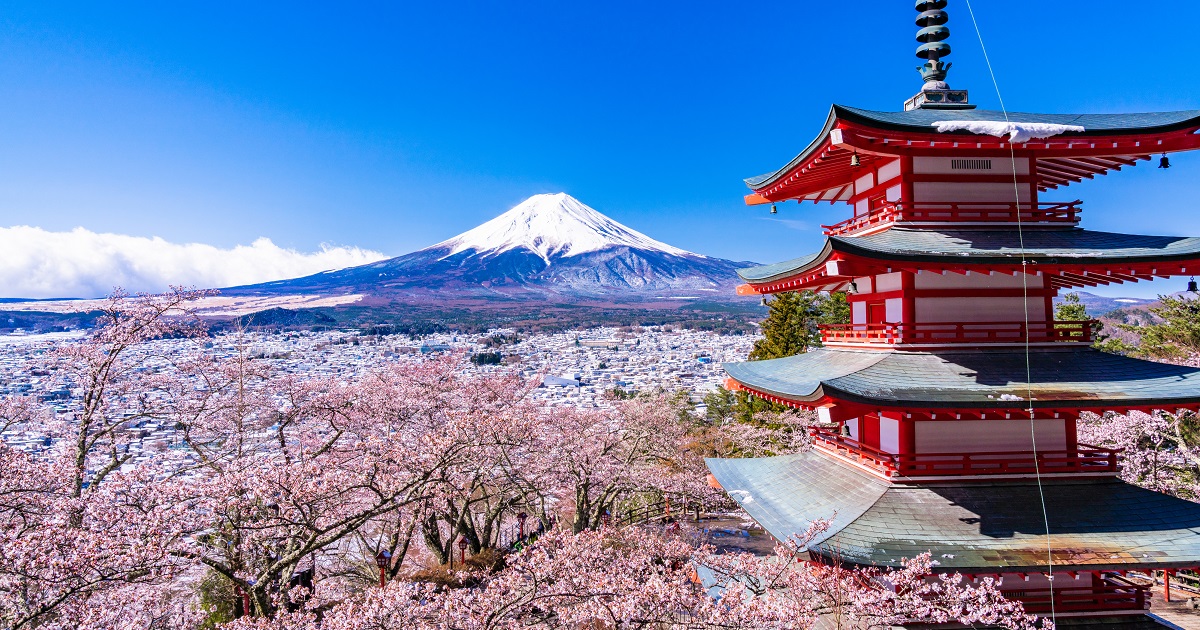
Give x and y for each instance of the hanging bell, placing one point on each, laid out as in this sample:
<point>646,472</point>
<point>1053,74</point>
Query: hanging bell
<point>1164,162</point>
<point>854,161</point>
<point>764,300</point>
<point>774,210</point>
<point>1192,285</point>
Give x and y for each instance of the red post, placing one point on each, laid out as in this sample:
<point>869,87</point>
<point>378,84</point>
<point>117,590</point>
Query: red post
<point>668,500</point>
<point>382,560</point>
<point>1166,586</point>
<point>462,550</point>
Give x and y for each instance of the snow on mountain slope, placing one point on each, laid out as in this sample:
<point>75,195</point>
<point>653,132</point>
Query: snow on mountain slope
<point>553,226</point>
<point>550,247</point>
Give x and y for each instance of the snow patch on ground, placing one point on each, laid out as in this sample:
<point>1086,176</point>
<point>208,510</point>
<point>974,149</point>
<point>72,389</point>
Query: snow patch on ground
<point>1018,132</point>
<point>555,225</point>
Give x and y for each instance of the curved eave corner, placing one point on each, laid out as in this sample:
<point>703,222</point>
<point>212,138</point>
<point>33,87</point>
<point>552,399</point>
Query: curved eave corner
<point>773,491</point>
<point>783,276</point>
<point>762,181</point>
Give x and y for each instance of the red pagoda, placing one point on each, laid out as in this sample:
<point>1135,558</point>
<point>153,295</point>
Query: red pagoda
<point>952,396</point>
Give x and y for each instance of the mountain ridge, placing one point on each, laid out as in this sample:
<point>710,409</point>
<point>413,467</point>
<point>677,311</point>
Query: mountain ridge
<point>550,247</point>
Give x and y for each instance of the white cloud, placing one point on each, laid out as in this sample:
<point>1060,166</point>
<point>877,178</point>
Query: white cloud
<point>35,263</point>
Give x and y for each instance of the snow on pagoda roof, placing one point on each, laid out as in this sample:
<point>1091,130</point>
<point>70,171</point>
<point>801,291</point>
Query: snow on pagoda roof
<point>1080,378</point>
<point>1095,524</point>
<point>1072,246</point>
<point>826,158</point>
<point>921,120</point>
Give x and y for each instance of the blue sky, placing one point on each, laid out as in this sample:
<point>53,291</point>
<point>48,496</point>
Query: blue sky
<point>392,126</point>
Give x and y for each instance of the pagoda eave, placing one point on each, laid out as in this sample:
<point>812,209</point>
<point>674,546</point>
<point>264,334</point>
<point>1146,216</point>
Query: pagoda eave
<point>1071,258</point>
<point>968,383</point>
<point>824,170</point>
<point>975,528</point>
<point>836,406</point>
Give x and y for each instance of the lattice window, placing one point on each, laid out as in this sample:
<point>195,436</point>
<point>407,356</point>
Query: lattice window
<point>973,165</point>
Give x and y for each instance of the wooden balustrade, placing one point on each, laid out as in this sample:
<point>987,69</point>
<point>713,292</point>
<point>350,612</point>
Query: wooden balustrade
<point>1108,594</point>
<point>1052,213</point>
<point>959,332</point>
<point>1085,458</point>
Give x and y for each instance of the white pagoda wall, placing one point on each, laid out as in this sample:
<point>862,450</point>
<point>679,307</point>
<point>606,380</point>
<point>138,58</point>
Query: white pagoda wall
<point>878,284</point>
<point>977,309</point>
<point>934,280</point>
<point>889,434</point>
<point>980,436</point>
<point>973,309</point>
<point>945,166</point>
<point>953,309</point>
<point>885,180</point>
<point>964,191</point>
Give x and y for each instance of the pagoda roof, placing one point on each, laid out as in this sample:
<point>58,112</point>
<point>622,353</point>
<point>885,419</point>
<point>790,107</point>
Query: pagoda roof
<point>1094,124</point>
<point>963,248</point>
<point>822,172</point>
<point>977,379</point>
<point>1096,523</point>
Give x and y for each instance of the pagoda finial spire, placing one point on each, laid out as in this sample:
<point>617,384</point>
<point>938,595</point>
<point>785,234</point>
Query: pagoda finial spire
<point>933,48</point>
<point>935,94</point>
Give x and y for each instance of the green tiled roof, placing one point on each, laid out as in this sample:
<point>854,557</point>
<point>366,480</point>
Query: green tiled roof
<point>969,379</point>
<point>782,494</point>
<point>775,271</point>
<point>1045,246</point>
<point>1097,523</point>
<point>921,121</point>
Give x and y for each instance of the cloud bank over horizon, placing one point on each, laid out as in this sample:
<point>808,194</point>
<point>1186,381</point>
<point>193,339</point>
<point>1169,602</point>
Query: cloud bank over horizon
<point>36,263</point>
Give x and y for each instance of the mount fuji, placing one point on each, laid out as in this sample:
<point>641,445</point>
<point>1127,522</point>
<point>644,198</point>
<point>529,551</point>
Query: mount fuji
<point>550,248</point>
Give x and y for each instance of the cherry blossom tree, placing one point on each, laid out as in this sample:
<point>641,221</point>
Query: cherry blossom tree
<point>76,528</point>
<point>788,590</point>
<point>640,577</point>
<point>1160,450</point>
<point>283,488</point>
<point>290,469</point>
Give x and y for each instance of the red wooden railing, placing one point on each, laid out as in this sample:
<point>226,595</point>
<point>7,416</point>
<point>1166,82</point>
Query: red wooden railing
<point>967,212</point>
<point>1085,458</point>
<point>1079,331</point>
<point>1109,594</point>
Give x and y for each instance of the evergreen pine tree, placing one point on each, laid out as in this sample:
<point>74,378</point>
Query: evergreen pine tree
<point>791,326</point>
<point>1071,309</point>
<point>1177,335</point>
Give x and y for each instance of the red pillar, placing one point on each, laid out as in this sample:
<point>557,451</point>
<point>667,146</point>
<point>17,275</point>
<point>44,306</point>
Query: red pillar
<point>1070,425</point>
<point>908,284</point>
<point>907,440</point>
<point>1050,293</point>
<point>906,182</point>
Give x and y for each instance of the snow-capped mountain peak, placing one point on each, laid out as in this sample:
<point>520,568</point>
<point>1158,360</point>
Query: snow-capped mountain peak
<point>552,225</point>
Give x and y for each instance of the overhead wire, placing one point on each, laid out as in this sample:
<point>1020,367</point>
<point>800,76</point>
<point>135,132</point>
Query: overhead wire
<point>1025,304</point>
